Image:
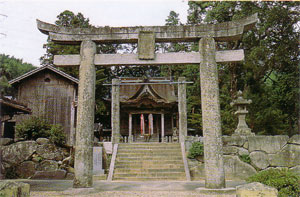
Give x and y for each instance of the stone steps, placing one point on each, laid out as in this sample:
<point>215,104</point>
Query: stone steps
<point>148,158</point>
<point>148,151</point>
<point>154,138</point>
<point>153,164</point>
<point>149,162</point>
<point>151,175</point>
<point>148,170</point>
<point>169,165</point>
<point>150,179</point>
<point>167,146</point>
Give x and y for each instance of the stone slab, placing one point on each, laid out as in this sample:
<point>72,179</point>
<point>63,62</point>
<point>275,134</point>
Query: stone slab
<point>234,140</point>
<point>268,144</point>
<point>41,141</point>
<point>229,150</point>
<point>289,156</point>
<point>259,159</point>
<point>255,189</point>
<point>225,31</point>
<point>295,139</point>
<point>243,151</point>
<point>235,169</point>
<point>57,174</point>
<point>97,161</point>
<point>14,189</point>
<point>160,59</point>
<point>296,170</point>
<point>108,147</point>
<point>222,191</point>
<point>26,169</point>
<point>146,45</point>
<point>18,152</point>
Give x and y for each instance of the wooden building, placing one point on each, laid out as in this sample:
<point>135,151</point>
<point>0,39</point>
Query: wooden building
<point>9,108</point>
<point>147,108</point>
<point>51,94</point>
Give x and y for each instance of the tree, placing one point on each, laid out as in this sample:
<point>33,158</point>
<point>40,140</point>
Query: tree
<point>69,19</point>
<point>269,75</point>
<point>10,68</point>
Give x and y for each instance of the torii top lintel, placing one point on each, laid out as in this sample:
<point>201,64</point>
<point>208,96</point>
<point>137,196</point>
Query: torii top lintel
<point>227,31</point>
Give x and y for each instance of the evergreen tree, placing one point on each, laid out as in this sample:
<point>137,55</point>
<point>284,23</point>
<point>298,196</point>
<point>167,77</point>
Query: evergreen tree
<point>269,75</point>
<point>10,68</point>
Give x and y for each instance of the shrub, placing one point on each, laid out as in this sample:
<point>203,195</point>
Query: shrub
<point>32,128</point>
<point>245,158</point>
<point>197,149</point>
<point>57,135</point>
<point>285,181</point>
<point>36,127</point>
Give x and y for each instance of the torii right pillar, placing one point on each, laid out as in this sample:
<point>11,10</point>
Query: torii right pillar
<point>211,118</point>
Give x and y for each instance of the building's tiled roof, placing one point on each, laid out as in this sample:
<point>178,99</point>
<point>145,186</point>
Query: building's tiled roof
<point>161,93</point>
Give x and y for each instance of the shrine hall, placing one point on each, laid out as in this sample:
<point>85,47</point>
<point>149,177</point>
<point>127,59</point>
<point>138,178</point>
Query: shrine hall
<point>148,108</point>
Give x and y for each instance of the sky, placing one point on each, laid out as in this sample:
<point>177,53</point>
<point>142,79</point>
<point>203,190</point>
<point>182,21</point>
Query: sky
<point>23,40</point>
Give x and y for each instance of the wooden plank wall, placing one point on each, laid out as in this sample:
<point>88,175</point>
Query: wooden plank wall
<point>51,100</point>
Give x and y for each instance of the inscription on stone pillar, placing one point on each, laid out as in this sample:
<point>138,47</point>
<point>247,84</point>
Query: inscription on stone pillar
<point>146,45</point>
<point>97,161</point>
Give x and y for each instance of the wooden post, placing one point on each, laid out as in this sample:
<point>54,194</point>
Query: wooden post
<point>150,120</point>
<point>130,128</point>
<point>211,116</point>
<point>115,111</point>
<point>162,127</point>
<point>85,120</point>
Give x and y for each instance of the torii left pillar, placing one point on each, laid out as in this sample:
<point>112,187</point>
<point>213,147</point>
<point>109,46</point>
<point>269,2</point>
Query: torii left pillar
<point>85,117</point>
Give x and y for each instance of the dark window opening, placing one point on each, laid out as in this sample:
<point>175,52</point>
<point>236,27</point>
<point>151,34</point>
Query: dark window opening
<point>47,80</point>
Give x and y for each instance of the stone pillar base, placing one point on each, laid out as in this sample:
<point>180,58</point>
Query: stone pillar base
<point>243,132</point>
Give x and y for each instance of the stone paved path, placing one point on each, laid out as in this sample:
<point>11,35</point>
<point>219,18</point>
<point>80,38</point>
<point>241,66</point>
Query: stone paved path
<point>130,194</point>
<point>122,188</point>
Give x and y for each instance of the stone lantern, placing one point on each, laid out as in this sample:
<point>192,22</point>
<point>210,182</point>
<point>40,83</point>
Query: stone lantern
<point>241,103</point>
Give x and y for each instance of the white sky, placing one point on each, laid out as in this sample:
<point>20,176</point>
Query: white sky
<point>24,41</point>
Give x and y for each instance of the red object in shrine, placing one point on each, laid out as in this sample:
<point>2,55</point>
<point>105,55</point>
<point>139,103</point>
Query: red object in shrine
<point>142,124</point>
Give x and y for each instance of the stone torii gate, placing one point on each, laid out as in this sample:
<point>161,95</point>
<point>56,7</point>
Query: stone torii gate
<point>146,37</point>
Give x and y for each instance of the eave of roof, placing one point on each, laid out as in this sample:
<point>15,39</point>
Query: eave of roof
<point>63,74</point>
<point>15,105</point>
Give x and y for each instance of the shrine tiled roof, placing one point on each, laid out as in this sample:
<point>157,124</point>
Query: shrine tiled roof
<point>157,89</point>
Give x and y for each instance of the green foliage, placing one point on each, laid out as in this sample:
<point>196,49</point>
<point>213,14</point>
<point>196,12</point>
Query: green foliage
<point>269,76</point>
<point>11,68</point>
<point>245,158</point>
<point>173,19</point>
<point>197,149</point>
<point>36,127</point>
<point>57,135</point>
<point>39,159</point>
<point>33,128</point>
<point>285,181</point>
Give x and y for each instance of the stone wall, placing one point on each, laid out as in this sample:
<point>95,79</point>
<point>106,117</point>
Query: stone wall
<point>36,160</point>
<point>265,152</point>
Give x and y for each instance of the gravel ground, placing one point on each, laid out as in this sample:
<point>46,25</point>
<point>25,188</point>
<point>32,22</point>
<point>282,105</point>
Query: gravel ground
<point>129,193</point>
